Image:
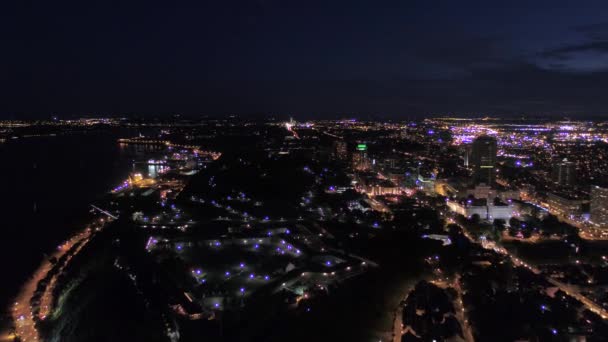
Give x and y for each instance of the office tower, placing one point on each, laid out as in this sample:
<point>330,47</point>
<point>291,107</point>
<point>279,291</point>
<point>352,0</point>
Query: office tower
<point>599,206</point>
<point>483,160</point>
<point>467,154</point>
<point>340,150</point>
<point>361,161</point>
<point>564,173</point>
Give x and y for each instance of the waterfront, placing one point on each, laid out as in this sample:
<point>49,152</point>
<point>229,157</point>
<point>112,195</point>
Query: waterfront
<point>48,183</point>
<point>254,232</point>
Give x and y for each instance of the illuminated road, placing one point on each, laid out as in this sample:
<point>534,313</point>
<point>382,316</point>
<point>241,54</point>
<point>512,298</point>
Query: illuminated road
<point>21,311</point>
<point>460,314</point>
<point>46,300</point>
<point>589,304</point>
<point>569,290</point>
<point>398,320</point>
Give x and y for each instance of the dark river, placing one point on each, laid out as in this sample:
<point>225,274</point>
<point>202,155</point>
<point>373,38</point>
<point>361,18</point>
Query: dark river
<point>46,186</point>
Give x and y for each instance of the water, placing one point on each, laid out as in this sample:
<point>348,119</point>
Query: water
<point>46,185</point>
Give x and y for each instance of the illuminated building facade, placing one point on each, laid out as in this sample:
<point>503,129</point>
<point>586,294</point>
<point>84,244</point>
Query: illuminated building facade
<point>564,173</point>
<point>483,160</point>
<point>563,205</point>
<point>599,206</point>
<point>340,150</point>
<point>361,161</point>
<point>486,210</point>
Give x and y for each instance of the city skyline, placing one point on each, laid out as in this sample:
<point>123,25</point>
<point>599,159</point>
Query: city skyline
<point>304,170</point>
<point>233,229</point>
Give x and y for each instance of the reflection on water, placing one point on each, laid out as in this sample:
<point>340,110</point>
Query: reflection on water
<point>156,169</point>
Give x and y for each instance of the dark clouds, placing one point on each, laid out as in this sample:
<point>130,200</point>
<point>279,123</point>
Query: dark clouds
<point>399,58</point>
<point>588,55</point>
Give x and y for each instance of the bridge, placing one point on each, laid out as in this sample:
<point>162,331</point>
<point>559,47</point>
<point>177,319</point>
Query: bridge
<point>107,213</point>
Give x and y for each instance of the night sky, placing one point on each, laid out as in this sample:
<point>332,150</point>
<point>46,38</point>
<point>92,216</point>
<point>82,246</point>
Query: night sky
<point>308,58</point>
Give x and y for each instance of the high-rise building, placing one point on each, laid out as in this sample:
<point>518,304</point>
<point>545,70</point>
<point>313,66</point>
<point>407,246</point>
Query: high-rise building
<point>564,172</point>
<point>483,160</point>
<point>340,150</point>
<point>598,208</point>
<point>564,205</point>
<point>467,154</point>
<point>360,159</point>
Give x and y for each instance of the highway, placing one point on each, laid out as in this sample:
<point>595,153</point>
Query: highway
<point>21,310</point>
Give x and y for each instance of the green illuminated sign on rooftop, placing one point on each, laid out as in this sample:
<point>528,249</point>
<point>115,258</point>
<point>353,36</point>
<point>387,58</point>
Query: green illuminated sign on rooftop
<point>362,147</point>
